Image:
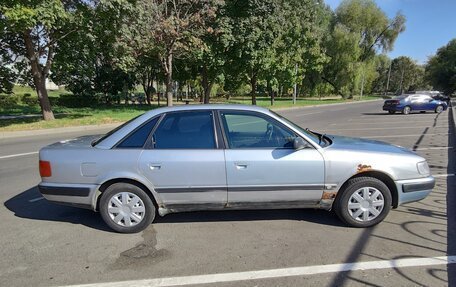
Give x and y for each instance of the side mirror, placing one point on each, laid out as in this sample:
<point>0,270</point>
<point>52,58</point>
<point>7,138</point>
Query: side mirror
<point>299,143</point>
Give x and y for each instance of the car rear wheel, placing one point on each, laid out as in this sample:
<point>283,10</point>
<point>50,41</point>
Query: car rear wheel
<point>439,109</point>
<point>406,110</point>
<point>126,208</point>
<point>391,112</point>
<point>364,202</point>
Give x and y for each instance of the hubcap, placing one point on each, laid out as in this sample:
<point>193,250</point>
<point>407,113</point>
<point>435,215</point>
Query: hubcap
<point>126,209</point>
<point>439,109</point>
<point>366,204</point>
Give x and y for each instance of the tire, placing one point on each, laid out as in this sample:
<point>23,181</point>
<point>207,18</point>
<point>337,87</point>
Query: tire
<point>391,112</point>
<point>439,109</point>
<point>128,219</point>
<point>366,218</point>
<point>406,110</point>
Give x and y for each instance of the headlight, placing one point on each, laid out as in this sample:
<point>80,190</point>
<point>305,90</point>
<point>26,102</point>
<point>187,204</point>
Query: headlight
<point>423,168</point>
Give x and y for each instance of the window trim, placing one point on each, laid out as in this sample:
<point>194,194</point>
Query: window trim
<point>261,115</point>
<point>150,146</point>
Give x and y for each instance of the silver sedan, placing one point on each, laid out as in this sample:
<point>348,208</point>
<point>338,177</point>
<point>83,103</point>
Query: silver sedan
<point>215,157</point>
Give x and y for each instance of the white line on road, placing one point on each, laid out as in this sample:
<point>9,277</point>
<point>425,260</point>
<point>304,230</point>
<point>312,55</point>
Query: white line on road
<point>36,199</point>
<point>400,136</point>
<point>384,128</point>
<point>434,148</point>
<point>18,154</point>
<point>443,175</point>
<point>279,273</point>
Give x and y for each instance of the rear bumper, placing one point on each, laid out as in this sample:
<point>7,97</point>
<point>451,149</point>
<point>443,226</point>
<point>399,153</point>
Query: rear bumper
<point>77,195</point>
<point>414,189</point>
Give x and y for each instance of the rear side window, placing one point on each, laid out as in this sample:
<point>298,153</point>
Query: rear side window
<point>138,138</point>
<point>185,130</point>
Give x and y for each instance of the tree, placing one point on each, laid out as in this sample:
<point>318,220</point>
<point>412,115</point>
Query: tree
<point>88,61</point>
<point>406,75</point>
<point>178,27</point>
<point>441,68</point>
<point>364,24</point>
<point>32,30</point>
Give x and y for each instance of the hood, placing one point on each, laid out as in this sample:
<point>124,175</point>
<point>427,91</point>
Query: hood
<point>359,144</point>
<point>79,142</point>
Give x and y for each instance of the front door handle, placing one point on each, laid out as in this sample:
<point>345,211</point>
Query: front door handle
<point>241,165</point>
<point>155,166</point>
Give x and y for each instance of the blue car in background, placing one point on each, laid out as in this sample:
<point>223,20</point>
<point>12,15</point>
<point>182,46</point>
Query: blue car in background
<point>415,102</point>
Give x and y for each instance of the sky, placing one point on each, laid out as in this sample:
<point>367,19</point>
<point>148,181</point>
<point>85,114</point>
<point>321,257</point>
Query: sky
<point>430,25</point>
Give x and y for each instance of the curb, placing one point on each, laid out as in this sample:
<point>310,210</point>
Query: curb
<point>18,134</point>
<point>25,133</point>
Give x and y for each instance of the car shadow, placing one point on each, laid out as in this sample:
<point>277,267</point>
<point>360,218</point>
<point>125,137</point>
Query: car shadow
<point>308,215</point>
<point>29,204</point>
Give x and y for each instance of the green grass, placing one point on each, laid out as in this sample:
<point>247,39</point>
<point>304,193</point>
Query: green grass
<point>26,89</point>
<point>66,117</point>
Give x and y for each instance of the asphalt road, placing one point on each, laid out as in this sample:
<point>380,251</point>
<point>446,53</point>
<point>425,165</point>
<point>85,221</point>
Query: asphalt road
<point>44,244</point>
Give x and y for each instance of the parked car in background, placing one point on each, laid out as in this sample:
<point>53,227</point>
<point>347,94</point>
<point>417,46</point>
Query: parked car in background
<point>222,157</point>
<point>436,95</point>
<point>414,102</point>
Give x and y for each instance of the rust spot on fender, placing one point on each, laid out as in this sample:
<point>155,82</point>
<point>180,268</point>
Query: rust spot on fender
<point>328,195</point>
<point>363,168</point>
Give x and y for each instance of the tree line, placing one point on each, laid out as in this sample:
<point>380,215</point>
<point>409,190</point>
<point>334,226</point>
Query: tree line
<point>260,47</point>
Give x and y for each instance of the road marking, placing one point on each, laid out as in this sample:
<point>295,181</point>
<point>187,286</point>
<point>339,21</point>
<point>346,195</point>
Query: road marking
<point>443,175</point>
<point>434,148</point>
<point>279,273</point>
<point>400,136</point>
<point>19,154</point>
<point>36,199</point>
<point>384,128</point>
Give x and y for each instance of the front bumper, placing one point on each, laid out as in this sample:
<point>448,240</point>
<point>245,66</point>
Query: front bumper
<point>77,195</point>
<point>411,190</point>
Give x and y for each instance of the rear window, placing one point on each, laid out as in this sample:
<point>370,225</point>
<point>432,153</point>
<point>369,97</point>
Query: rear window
<point>97,141</point>
<point>138,138</point>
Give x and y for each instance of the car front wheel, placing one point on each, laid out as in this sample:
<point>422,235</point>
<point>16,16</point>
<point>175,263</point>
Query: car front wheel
<point>391,112</point>
<point>364,202</point>
<point>126,208</point>
<point>439,109</point>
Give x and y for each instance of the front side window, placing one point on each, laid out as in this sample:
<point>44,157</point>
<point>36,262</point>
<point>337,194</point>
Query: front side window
<point>247,130</point>
<point>185,130</point>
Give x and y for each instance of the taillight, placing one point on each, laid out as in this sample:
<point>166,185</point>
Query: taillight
<point>45,168</point>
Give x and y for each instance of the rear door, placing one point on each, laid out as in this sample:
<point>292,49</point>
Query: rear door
<point>184,163</point>
<point>262,167</point>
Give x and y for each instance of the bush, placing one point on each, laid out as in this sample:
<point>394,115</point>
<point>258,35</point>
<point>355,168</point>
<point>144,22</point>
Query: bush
<point>28,100</point>
<point>8,101</point>
<point>75,101</point>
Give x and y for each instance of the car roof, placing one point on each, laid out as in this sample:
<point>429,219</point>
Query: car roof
<point>196,107</point>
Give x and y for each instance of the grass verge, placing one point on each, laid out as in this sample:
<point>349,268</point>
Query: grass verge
<point>66,117</point>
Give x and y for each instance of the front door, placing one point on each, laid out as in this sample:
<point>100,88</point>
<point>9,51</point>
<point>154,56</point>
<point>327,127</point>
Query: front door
<point>184,164</point>
<point>263,168</point>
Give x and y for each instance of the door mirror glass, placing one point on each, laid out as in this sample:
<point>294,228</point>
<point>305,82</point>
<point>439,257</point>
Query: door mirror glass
<point>299,143</point>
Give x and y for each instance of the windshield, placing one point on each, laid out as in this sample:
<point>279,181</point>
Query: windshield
<point>97,141</point>
<point>307,132</point>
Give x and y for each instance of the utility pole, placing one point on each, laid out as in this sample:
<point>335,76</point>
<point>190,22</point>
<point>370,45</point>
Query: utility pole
<point>388,81</point>
<point>295,87</point>
<point>362,86</point>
